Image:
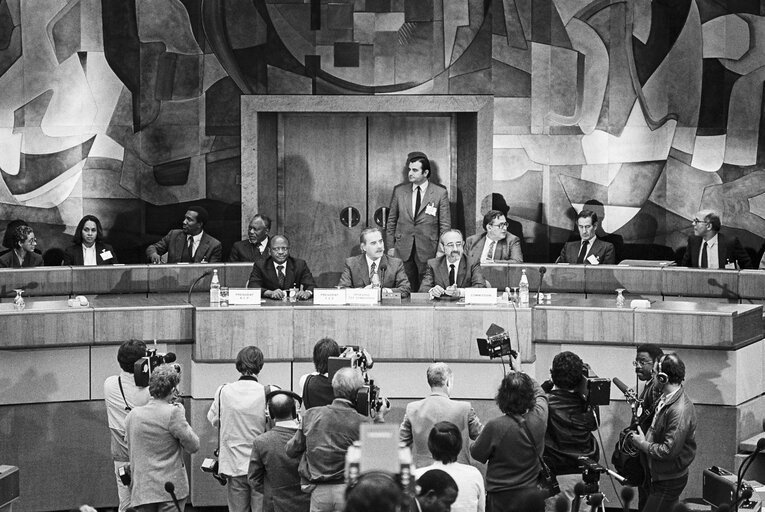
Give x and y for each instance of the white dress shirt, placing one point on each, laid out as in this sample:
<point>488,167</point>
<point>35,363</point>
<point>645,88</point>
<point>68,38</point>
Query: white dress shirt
<point>713,255</point>
<point>89,255</point>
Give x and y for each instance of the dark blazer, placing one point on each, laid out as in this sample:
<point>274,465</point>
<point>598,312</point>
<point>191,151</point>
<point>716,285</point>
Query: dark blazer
<point>729,250</point>
<point>356,274</point>
<point>174,243</point>
<point>9,260</point>
<point>296,273</point>
<point>243,250</point>
<point>604,251</point>
<point>404,228</point>
<point>508,249</point>
<point>73,255</point>
<point>468,274</point>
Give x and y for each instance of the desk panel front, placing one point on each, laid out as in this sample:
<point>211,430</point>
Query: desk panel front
<point>45,324</point>
<point>583,321</point>
<point>156,317</point>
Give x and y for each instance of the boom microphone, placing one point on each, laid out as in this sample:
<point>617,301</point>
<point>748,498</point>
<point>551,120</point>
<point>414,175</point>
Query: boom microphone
<point>170,488</point>
<point>629,394</point>
<point>207,273</point>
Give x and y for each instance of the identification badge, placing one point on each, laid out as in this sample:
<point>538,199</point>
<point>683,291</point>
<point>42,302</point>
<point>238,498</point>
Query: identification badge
<point>730,266</point>
<point>431,209</point>
<point>106,255</point>
<point>593,260</point>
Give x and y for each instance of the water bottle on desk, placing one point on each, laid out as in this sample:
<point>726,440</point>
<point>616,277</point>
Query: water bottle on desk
<point>215,289</point>
<point>523,286</point>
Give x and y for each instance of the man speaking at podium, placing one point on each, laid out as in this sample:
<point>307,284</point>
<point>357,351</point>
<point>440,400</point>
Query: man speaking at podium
<point>372,268</point>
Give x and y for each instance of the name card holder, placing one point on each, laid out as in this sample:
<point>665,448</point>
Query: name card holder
<point>391,298</point>
<point>362,297</point>
<point>244,296</point>
<point>480,296</point>
<point>329,297</point>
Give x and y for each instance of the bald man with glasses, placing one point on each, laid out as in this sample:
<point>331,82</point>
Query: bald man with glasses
<point>708,248</point>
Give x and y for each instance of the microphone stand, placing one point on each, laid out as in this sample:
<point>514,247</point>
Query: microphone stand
<point>191,289</point>
<point>542,272</point>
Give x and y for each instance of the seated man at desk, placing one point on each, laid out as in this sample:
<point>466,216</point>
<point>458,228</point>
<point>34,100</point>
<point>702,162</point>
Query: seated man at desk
<point>188,245</point>
<point>372,268</point>
<point>255,246</point>
<point>446,276</point>
<point>589,250</point>
<point>280,272</point>
<point>708,248</point>
<point>496,243</point>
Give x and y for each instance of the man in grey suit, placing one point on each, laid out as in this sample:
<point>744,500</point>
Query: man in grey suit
<point>495,243</point>
<point>589,250</point>
<point>188,245</point>
<point>372,268</point>
<point>419,213</point>
<point>421,415</point>
<point>448,275</point>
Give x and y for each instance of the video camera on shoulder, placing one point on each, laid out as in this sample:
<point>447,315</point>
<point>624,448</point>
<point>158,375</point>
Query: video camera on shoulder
<point>153,358</point>
<point>368,400</point>
<point>596,390</point>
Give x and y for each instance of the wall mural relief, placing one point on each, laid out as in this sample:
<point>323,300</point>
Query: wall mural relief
<point>647,110</point>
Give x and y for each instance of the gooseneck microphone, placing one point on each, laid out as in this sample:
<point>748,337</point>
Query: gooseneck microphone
<point>542,272</point>
<point>191,289</point>
<point>170,488</point>
<point>628,494</point>
<point>381,269</point>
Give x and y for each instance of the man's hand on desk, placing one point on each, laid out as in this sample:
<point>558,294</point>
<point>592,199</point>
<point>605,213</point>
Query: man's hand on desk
<point>449,291</point>
<point>304,294</point>
<point>274,294</point>
<point>156,258</point>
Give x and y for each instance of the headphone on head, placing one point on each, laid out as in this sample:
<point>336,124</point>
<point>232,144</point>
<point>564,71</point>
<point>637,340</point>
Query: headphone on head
<point>295,396</point>
<point>661,376</point>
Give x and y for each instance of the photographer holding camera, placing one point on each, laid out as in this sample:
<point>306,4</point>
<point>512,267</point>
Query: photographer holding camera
<point>316,386</point>
<point>323,440</point>
<point>121,395</point>
<point>570,423</point>
<point>157,435</point>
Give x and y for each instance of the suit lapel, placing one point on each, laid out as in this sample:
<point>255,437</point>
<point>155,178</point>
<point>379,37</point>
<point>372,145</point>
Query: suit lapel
<point>289,273</point>
<point>501,252</point>
<point>201,249</point>
<point>427,198</point>
<point>269,272</point>
<point>365,270</point>
<point>462,272</point>
<point>443,270</point>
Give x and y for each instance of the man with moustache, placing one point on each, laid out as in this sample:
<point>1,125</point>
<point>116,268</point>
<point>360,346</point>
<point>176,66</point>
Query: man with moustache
<point>280,272</point>
<point>188,245</point>
<point>708,248</point>
<point>495,244</point>
<point>255,247</point>
<point>372,268</point>
<point>589,250</point>
<point>447,275</point>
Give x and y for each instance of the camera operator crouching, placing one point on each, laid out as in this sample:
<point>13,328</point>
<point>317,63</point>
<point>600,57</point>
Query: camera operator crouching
<point>570,422</point>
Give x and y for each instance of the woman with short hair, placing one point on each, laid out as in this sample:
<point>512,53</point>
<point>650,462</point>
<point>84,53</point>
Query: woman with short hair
<point>23,253</point>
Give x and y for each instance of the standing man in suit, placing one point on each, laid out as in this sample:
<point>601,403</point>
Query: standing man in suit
<point>589,250</point>
<point>255,247</point>
<point>280,272</point>
<point>419,213</point>
<point>421,415</point>
<point>188,245</point>
<point>447,275</point>
<point>708,248</point>
<point>496,243</point>
<point>372,268</point>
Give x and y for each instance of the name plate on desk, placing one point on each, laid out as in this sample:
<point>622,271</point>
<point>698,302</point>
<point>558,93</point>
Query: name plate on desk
<point>361,296</point>
<point>391,298</point>
<point>329,296</point>
<point>244,296</point>
<point>480,295</point>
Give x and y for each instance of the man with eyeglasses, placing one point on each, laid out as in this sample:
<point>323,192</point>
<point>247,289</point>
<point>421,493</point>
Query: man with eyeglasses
<point>589,250</point>
<point>708,248</point>
<point>495,243</point>
<point>446,276</point>
<point>280,272</point>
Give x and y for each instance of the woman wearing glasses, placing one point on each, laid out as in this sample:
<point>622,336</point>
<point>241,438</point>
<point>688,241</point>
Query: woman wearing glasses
<point>23,253</point>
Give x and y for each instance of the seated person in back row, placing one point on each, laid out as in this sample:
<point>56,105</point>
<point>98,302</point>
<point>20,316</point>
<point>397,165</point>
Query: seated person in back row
<point>23,253</point>
<point>589,250</point>
<point>88,247</point>
<point>446,276</point>
<point>372,268</point>
<point>255,246</point>
<point>280,272</point>
<point>188,245</point>
<point>708,248</point>
<point>496,243</point>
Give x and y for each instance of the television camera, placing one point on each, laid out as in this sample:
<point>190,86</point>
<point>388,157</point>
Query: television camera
<point>368,399</point>
<point>153,358</point>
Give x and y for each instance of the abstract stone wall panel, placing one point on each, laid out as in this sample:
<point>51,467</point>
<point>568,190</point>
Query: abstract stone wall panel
<point>681,187</point>
<point>726,37</point>
<point>732,201</point>
<point>592,80</point>
<point>744,117</point>
<point>64,31</point>
<point>754,57</point>
<point>166,22</point>
<point>709,152</point>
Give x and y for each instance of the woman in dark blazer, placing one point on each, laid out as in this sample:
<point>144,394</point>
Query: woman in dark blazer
<point>23,252</point>
<point>88,247</point>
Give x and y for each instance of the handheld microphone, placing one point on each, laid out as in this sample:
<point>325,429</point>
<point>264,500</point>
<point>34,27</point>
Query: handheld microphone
<point>629,394</point>
<point>207,273</point>
<point>628,494</point>
<point>170,488</point>
<point>595,501</point>
<point>542,272</point>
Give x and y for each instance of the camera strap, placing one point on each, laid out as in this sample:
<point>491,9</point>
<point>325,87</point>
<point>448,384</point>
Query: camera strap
<point>522,423</point>
<point>122,391</point>
<point>220,418</point>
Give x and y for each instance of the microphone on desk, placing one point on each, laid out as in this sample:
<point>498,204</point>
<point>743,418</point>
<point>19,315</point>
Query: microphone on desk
<point>191,289</point>
<point>542,272</point>
<point>381,269</point>
<point>170,488</point>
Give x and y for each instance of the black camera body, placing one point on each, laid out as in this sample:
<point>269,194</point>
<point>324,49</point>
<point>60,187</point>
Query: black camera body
<point>591,472</point>
<point>124,473</point>
<point>143,367</point>
<point>368,399</point>
<point>595,390</point>
<point>210,465</point>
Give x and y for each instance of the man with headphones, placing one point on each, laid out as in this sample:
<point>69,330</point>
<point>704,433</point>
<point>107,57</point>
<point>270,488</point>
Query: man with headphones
<point>670,443</point>
<point>272,471</point>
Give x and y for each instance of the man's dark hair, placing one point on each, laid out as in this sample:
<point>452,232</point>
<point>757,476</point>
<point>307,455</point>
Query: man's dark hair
<point>652,350</point>
<point>714,220</point>
<point>20,234</point>
<point>673,366</point>
<point>515,394</point>
<point>490,216</point>
<point>417,156</point>
<point>265,218</point>
<point>81,225</point>
<point>445,442</point>
<point>249,360</point>
<point>281,406</point>
<point>374,492</point>
<point>322,351</point>
<point>588,214</point>
<point>129,352</point>
<point>202,215</point>
<point>436,480</point>
<point>366,231</point>
<point>10,229</point>
<point>566,371</point>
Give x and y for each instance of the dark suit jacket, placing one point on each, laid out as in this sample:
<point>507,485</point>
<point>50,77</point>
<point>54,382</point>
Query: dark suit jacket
<point>243,250</point>
<point>729,250</point>
<point>296,273</point>
<point>356,274</point>
<point>468,274</point>
<point>508,249</point>
<point>174,243</point>
<point>73,255</point>
<point>404,228</point>
<point>9,260</point>
<point>275,473</point>
<point>604,251</point>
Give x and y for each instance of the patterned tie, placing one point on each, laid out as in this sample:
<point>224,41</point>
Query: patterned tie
<point>372,271</point>
<point>704,260</point>
<point>417,202</point>
<point>187,256</point>
<point>582,252</point>
<point>280,275</point>
<point>452,277</point>
<point>490,254</point>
